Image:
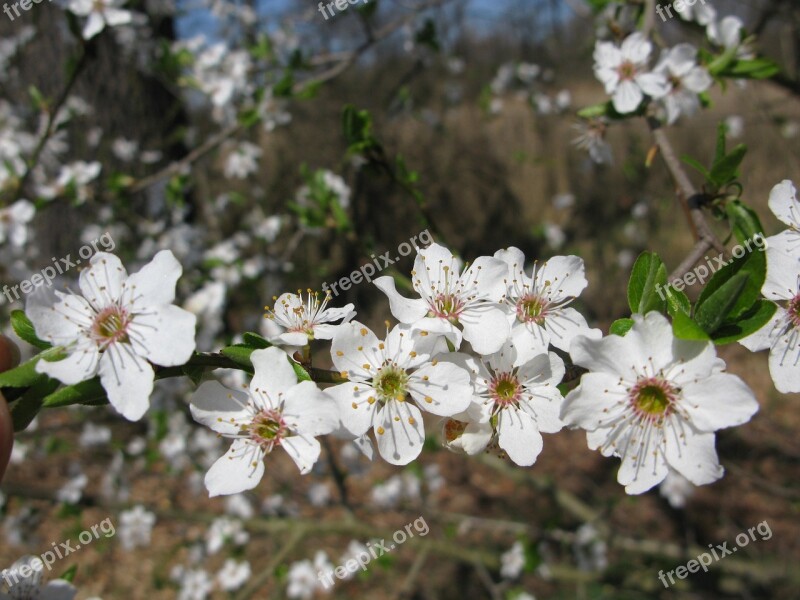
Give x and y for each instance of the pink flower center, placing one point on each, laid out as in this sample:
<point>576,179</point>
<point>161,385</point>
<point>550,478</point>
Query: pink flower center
<point>627,70</point>
<point>794,311</point>
<point>447,306</point>
<point>653,398</point>
<point>505,390</point>
<point>532,309</point>
<point>111,326</point>
<point>267,429</point>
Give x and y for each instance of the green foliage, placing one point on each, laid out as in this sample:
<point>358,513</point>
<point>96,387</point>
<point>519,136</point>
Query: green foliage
<point>621,327</point>
<point>24,329</point>
<point>649,275</point>
<point>322,207</point>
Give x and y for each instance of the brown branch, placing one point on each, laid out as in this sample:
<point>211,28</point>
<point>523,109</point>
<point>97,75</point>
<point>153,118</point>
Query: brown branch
<point>690,199</point>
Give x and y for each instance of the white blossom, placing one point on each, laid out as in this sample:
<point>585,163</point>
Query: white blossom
<point>625,73</point>
<point>655,401</point>
<point>451,296</point>
<point>116,328</point>
<point>275,411</point>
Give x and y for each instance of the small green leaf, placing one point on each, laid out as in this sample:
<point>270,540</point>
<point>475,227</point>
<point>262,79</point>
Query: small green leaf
<point>194,372</point>
<point>69,574</point>
<point>685,328</point>
<point>677,302</point>
<point>755,265</point>
<point>621,327</point>
<point>748,324</point>
<point>696,165</point>
<point>745,222</point>
<point>717,307</point>
<point>254,340</point>
<point>240,354</point>
<point>25,330</point>
<point>24,410</point>
<point>89,392</point>
<point>727,169</point>
<point>595,111</point>
<point>722,142</point>
<point>645,288</point>
<point>302,374</point>
<point>25,374</point>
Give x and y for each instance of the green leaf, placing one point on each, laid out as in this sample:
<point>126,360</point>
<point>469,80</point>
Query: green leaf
<point>69,574</point>
<point>595,111</point>
<point>621,327</point>
<point>722,141</point>
<point>717,307</point>
<point>302,374</point>
<point>25,375</point>
<point>194,372</point>
<point>726,169</point>
<point>648,278</point>
<point>240,354</point>
<point>757,68</point>
<point>747,324</point>
<point>24,410</point>
<point>254,340</point>
<point>86,392</point>
<point>677,302</point>
<point>24,329</point>
<point>357,126</point>
<point>745,222</point>
<point>755,265</point>
<point>685,328</point>
<point>696,165</point>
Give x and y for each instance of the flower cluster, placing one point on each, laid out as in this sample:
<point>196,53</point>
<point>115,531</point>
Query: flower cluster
<point>482,346</point>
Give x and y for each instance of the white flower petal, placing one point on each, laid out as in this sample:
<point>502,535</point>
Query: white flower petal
<point>164,335</point>
<point>303,450</point>
<point>405,310</point>
<point>357,420</point>
<point>565,325</point>
<point>586,405</point>
<point>784,362</point>
<point>445,392</point>
<point>219,408</point>
<point>627,97</point>
<point>400,432</point>
<point>719,401</point>
<point>783,202</point>
<point>273,374</point>
<point>519,436</point>
<point>63,323</point>
<point>489,275</point>
<point>81,364</point>
<point>154,283</point>
<point>694,456</point>
<point>94,25</point>
<point>486,327</point>
<point>310,412</point>
<point>355,350</point>
<point>127,379</point>
<point>101,283</point>
<point>238,470</point>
